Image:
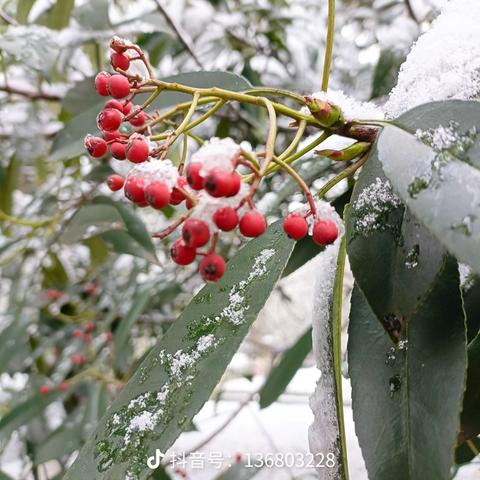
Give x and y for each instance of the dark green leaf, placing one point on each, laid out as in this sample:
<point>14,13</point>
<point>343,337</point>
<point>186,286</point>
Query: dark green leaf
<point>398,394</point>
<point>386,72</point>
<point>180,372</point>
<point>23,9</point>
<point>438,178</point>
<point>59,14</point>
<point>394,259</point>
<point>8,183</point>
<point>282,373</point>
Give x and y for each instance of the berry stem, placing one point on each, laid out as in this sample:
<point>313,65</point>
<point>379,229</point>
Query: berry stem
<point>296,140</point>
<point>349,171</point>
<point>171,228</point>
<point>327,63</point>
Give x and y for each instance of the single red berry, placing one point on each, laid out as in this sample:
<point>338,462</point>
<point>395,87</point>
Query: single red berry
<point>195,233</point>
<point>252,224</point>
<point>157,194</point>
<point>137,149</point>
<point>127,108</point>
<point>101,83</point>
<point>109,120</point>
<point>116,104</point>
<point>118,86</point>
<point>44,390</point>
<point>324,232</point>
<point>95,146</point>
<point>212,267</point>
<point>218,182</point>
<point>118,60</point>
<point>177,196</point>
<point>78,359</point>
<point>135,189</point>
<point>238,457</point>
<point>89,327</point>
<point>77,333</point>
<point>108,136</point>
<point>182,254</point>
<point>115,182</point>
<point>194,179</point>
<point>226,218</point>
<point>295,226</point>
<point>235,184</point>
<point>139,119</point>
<point>63,387</point>
<point>118,150</point>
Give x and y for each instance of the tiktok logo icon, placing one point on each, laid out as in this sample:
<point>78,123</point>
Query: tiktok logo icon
<point>154,461</point>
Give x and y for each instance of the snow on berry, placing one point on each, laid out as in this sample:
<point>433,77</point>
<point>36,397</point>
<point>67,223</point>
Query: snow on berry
<point>95,146</point>
<point>217,153</point>
<point>101,83</point>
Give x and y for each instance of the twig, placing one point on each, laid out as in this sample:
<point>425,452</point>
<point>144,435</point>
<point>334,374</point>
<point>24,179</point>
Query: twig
<point>30,95</point>
<point>185,41</point>
<point>327,63</point>
<point>7,18</point>
<point>411,12</point>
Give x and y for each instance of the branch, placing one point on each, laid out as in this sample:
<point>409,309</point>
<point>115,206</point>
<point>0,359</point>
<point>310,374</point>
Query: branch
<point>30,95</point>
<point>184,40</point>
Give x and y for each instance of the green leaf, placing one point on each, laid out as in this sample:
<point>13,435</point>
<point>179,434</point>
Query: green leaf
<point>470,418</point>
<point>4,476</point>
<point>93,15</point>
<point>471,303</point>
<point>386,72</point>
<point>466,452</point>
<point>66,439</point>
<point>8,182</point>
<point>393,258</point>
<point>115,224</point>
<point>283,372</point>
<point>23,9</point>
<point>68,143</point>
<point>59,15</point>
<point>400,393</point>
<point>438,177</point>
<point>24,412</point>
<point>122,333</point>
<point>179,374</point>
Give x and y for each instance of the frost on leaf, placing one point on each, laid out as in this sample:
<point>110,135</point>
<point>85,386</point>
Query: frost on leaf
<point>148,415</point>
<point>372,207</point>
<point>444,63</point>
<point>324,434</point>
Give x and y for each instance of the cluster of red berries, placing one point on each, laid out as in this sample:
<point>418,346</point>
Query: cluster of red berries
<point>215,197</point>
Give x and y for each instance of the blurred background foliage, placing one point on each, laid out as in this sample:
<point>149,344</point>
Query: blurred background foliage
<point>84,292</point>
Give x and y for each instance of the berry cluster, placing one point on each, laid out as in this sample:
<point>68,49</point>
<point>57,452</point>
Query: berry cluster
<point>216,196</point>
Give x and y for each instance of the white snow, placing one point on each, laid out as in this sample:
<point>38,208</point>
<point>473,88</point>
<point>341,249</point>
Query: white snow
<point>216,153</point>
<point>444,63</point>
<point>154,170</point>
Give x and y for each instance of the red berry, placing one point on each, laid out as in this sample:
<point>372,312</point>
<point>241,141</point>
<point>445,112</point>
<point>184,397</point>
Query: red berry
<point>135,190</point>
<point>109,120</point>
<point>324,232</point>
<point>101,83</point>
<point>118,86</point>
<point>116,104</point>
<point>63,387</point>
<point>226,218</point>
<point>157,194</point>
<point>295,226</point>
<point>252,224</point>
<point>119,60</point>
<point>194,179</point>
<point>139,119</point>
<point>115,182</point>
<point>182,254</point>
<point>212,267</point>
<point>127,108</point>
<point>177,196</point>
<point>78,359</point>
<point>77,333</point>
<point>118,150</point>
<point>218,182</point>
<point>108,136</point>
<point>195,233</point>
<point>44,390</point>
<point>235,184</point>
<point>137,149</point>
<point>89,327</point>
<point>87,339</point>
<point>95,146</point>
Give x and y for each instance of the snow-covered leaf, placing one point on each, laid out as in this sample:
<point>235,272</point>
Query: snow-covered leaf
<point>436,172</point>
<point>180,372</point>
